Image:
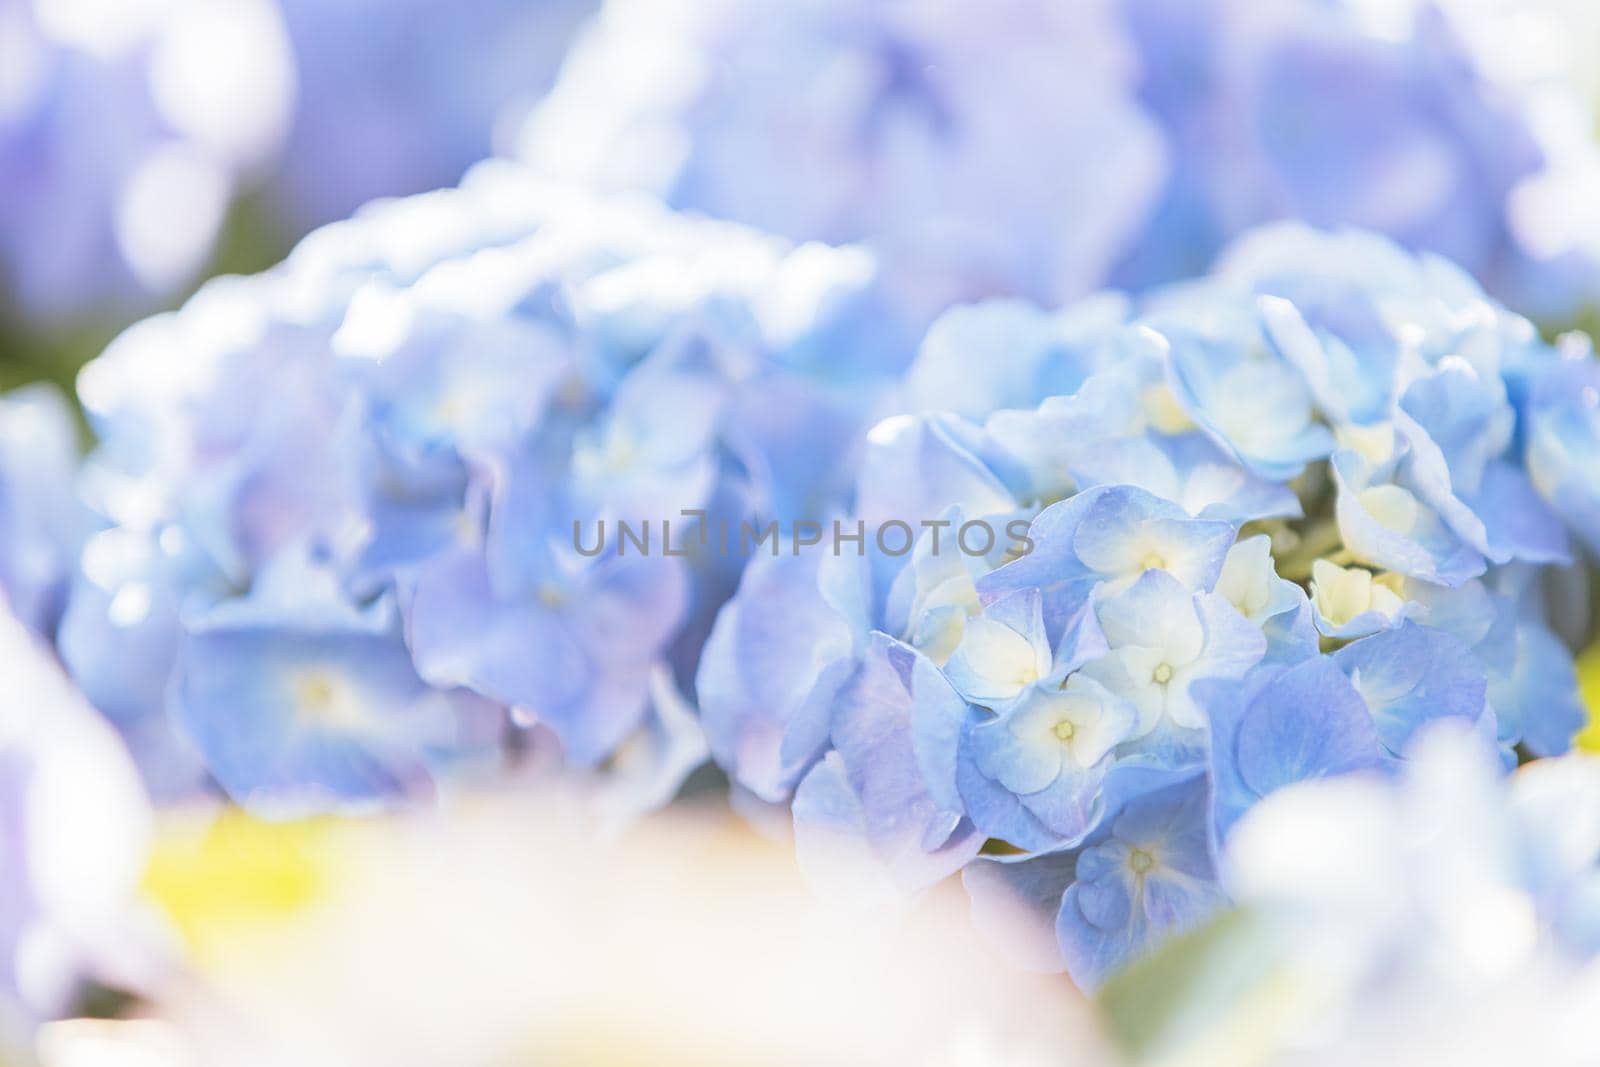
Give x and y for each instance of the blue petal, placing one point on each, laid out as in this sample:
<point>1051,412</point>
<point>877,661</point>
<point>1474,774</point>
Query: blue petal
<point>1430,551</point>
<point>873,732</point>
<point>1537,701</point>
<point>915,469</point>
<point>1281,726</point>
<point>1564,443</point>
<point>1114,912</point>
<point>1413,675</point>
<point>1025,354</point>
<point>781,645</point>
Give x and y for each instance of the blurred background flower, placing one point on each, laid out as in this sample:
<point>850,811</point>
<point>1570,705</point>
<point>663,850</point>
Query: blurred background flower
<point>125,131</point>
<point>395,97</point>
<point>1172,128</point>
<point>144,144</point>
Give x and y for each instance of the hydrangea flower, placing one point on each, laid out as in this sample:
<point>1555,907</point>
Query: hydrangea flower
<point>449,483</point>
<point>1152,874</point>
<point>1173,127</point>
<point>124,131</point>
<point>1189,611</point>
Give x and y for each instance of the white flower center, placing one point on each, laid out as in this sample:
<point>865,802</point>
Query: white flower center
<point>1392,507</point>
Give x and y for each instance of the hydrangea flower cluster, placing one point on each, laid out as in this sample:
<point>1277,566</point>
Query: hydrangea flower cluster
<point>1172,127</point>
<point>124,131</point>
<point>1280,519</point>
<point>351,504</point>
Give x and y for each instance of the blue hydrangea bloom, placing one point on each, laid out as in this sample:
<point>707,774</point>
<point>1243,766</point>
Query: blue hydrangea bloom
<point>1160,639</point>
<point>1534,690</point>
<point>1108,537</point>
<point>1051,750</point>
<point>1352,602</point>
<point>299,701</point>
<point>1189,469</point>
<point>1258,408</point>
<point>919,136</point>
<point>1150,872</point>
<point>1030,354</point>
<point>1189,611</point>
<point>1152,875</point>
<point>506,427</point>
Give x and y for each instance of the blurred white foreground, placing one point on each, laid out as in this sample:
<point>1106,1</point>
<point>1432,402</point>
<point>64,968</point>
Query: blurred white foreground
<point>498,934</point>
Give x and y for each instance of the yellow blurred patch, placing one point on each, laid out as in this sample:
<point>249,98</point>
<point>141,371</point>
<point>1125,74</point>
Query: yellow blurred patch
<point>214,874</point>
<point>1589,687</point>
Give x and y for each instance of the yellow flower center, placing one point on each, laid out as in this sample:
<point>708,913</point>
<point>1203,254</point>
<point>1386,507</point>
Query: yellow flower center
<point>1064,730</point>
<point>1153,562</point>
<point>326,701</point>
<point>1162,674</point>
<point>314,694</point>
<point>1140,860</point>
